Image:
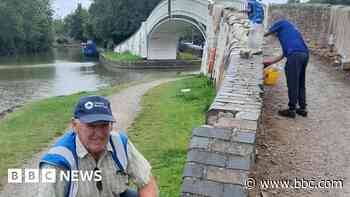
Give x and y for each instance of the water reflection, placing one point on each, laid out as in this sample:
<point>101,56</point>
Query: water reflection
<point>71,54</point>
<point>42,58</point>
<point>62,72</point>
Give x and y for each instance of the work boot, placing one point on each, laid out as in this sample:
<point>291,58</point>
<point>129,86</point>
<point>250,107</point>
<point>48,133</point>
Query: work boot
<point>289,113</point>
<point>301,112</point>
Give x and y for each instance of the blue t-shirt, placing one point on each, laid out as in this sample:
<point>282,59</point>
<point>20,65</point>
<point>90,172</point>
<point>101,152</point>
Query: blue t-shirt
<point>256,12</point>
<point>290,37</point>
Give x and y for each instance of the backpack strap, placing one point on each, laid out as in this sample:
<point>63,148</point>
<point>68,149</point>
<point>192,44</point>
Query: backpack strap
<point>119,143</point>
<point>63,155</point>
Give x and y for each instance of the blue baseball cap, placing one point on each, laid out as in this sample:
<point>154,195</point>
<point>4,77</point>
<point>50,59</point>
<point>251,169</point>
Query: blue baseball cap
<point>92,109</point>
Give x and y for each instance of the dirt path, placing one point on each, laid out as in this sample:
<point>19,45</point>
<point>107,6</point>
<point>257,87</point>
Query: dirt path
<point>316,147</point>
<point>125,106</point>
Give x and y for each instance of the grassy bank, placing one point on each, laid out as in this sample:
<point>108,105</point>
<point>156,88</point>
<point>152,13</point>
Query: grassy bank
<point>126,56</point>
<point>186,56</point>
<point>30,128</point>
<point>163,128</point>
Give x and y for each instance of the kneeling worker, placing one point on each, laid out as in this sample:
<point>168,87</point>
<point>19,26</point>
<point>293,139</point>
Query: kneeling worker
<point>92,146</point>
<point>297,54</point>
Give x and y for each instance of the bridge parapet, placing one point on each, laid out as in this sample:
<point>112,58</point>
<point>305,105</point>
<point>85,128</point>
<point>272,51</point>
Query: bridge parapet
<point>222,152</point>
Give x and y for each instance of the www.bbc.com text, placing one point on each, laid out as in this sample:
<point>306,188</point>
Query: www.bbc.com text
<point>296,183</point>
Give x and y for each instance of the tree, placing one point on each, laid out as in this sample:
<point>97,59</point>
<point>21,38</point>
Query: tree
<point>59,27</point>
<point>108,21</point>
<point>76,23</point>
<point>25,26</point>
<point>115,20</point>
<point>293,1</point>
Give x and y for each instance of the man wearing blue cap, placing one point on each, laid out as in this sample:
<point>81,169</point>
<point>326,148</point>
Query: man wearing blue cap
<point>92,146</point>
<point>296,52</point>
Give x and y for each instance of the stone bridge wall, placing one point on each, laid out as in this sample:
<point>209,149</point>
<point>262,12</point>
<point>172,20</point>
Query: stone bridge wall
<point>318,22</point>
<point>222,152</point>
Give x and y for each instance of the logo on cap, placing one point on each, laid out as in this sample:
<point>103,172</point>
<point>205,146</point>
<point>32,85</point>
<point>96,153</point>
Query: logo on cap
<point>89,105</point>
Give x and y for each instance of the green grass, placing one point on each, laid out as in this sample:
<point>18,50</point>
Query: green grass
<point>32,127</point>
<point>126,56</point>
<point>186,56</point>
<point>163,128</point>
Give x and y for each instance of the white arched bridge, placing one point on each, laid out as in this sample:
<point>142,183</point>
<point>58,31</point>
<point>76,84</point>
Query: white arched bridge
<point>158,36</point>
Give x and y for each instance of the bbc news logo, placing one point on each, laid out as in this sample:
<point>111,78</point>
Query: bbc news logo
<point>51,175</point>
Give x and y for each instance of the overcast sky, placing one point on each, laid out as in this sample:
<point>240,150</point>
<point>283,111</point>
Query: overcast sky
<point>64,7</point>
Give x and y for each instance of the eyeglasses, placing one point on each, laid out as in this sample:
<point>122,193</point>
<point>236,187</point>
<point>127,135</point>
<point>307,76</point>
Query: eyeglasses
<point>98,183</point>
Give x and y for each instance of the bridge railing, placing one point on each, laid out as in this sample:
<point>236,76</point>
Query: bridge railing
<point>179,7</point>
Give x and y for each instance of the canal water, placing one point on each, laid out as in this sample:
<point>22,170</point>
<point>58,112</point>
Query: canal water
<point>62,71</point>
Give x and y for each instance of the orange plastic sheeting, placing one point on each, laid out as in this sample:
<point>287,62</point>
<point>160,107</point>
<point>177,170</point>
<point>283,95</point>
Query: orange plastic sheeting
<point>212,55</point>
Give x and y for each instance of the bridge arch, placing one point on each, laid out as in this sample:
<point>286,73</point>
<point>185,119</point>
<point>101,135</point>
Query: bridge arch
<point>157,38</point>
<point>163,38</point>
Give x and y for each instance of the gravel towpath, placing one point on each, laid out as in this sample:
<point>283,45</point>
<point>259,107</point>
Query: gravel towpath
<point>316,148</point>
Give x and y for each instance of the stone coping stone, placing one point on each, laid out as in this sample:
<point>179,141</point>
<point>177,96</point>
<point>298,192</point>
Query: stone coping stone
<point>205,188</point>
<point>201,135</point>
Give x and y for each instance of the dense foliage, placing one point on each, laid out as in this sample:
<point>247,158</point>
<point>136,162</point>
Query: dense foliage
<point>115,20</point>
<point>107,21</point>
<point>25,26</point>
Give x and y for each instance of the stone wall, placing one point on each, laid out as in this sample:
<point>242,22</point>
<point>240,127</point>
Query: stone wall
<point>317,23</point>
<point>222,152</point>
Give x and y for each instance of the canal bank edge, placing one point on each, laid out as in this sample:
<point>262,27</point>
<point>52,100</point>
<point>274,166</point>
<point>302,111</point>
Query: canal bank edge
<point>9,110</point>
<point>105,92</point>
<point>148,64</point>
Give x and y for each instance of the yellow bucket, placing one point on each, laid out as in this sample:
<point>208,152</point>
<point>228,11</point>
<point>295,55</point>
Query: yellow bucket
<point>271,76</point>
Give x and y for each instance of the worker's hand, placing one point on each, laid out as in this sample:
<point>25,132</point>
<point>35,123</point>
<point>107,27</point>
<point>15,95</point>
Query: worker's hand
<point>267,63</point>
